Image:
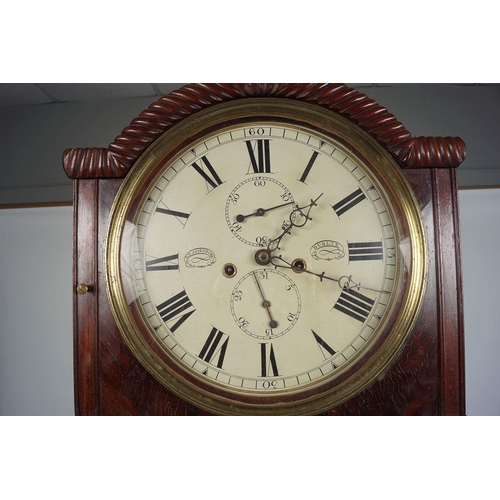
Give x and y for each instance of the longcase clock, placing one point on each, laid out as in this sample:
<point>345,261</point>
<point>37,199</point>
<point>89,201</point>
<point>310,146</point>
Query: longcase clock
<point>267,249</point>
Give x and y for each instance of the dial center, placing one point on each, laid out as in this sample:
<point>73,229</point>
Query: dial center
<point>262,257</point>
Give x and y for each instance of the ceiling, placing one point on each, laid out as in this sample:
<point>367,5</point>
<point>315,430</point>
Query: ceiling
<point>23,94</point>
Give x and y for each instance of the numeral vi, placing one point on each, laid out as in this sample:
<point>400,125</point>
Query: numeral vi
<point>268,364</point>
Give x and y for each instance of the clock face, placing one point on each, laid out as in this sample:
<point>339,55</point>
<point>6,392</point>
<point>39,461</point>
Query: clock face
<point>262,261</point>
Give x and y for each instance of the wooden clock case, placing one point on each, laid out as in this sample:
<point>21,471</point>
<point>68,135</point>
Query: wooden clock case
<point>428,376</point>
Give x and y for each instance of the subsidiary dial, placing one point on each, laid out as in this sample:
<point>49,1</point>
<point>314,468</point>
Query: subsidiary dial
<point>265,303</point>
<point>257,209</point>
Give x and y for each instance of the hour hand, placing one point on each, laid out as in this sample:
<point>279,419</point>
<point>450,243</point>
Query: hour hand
<point>274,243</point>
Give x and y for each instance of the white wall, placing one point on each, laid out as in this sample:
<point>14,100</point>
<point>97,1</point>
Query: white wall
<point>36,320</point>
<point>36,371</point>
<point>480,228</point>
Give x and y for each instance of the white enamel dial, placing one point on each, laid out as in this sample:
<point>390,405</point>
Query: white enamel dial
<point>269,326</point>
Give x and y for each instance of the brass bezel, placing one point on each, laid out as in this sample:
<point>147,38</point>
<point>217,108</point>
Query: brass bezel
<point>177,140</point>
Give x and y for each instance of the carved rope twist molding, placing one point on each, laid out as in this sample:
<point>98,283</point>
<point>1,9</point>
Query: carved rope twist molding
<point>117,159</point>
<point>444,152</point>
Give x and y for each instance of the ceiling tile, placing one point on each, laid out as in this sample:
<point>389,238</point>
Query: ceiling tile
<point>21,94</point>
<point>67,92</point>
<point>421,84</point>
<point>166,88</point>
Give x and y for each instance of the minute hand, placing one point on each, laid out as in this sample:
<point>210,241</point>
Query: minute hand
<point>260,212</point>
<point>344,282</point>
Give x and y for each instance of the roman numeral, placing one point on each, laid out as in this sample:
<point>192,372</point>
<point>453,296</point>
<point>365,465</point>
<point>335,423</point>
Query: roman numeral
<point>262,163</point>
<point>172,309</point>
<point>215,347</point>
<point>371,250</point>
<point>348,202</point>
<point>268,361</point>
<point>159,264</point>
<point>354,304</point>
<point>174,213</point>
<point>212,178</point>
<point>308,167</point>
<point>323,345</point>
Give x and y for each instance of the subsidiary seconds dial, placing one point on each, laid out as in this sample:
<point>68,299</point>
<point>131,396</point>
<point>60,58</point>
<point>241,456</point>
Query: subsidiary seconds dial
<point>265,303</point>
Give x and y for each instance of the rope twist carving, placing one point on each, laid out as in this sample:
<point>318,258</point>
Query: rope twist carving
<point>117,159</point>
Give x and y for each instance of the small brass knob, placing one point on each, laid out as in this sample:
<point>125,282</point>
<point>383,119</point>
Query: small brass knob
<point>82,289</point>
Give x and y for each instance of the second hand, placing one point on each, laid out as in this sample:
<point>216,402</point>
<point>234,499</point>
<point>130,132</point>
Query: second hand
<point>265,303</point>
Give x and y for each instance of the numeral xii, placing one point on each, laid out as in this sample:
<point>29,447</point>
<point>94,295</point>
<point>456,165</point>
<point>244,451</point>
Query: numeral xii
<point>262,162</point>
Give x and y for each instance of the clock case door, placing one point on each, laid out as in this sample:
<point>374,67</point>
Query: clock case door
<point>427,378</point>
